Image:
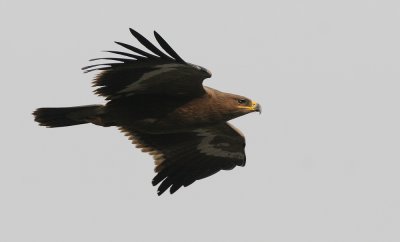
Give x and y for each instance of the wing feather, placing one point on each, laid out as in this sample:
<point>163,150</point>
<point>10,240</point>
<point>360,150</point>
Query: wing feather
<point>146,43</point>
<point>124,60</point>
<point>125,54</point>
<point>96,65</point>
<point>136,50</point>
<point>184,156</point>
<point>142,72</point>
<point>168,48</point>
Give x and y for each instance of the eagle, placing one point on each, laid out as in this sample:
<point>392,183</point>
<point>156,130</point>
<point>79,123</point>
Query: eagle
<point>158,100</point>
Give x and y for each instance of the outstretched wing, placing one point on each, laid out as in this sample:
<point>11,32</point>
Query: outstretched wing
<point>141,72</point>
<point>183,158</point>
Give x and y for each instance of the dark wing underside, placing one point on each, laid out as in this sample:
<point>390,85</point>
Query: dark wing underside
<point>183,158</point>
<point>141,72</point>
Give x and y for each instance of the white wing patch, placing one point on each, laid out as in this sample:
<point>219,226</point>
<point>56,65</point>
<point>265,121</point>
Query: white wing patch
<point>141,83</point>
<point>206,147</point>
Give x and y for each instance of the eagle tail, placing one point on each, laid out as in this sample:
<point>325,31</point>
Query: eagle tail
<point>68,116</point>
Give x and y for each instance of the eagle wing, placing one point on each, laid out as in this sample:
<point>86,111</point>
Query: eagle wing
<point>141,72</point>
<point>183,158</point>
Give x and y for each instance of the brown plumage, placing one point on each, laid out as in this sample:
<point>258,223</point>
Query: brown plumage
<point>160,103</point>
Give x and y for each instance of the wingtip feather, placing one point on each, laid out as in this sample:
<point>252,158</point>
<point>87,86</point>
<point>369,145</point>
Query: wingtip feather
<point>146,43</point>
<point>164,44</point>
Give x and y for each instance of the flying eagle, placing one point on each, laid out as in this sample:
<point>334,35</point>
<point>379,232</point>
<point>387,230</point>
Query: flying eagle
<point>158,100</point>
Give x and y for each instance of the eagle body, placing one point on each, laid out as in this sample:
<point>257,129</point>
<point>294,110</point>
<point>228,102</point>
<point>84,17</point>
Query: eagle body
<point>176,114</point>
<point>159,102</point>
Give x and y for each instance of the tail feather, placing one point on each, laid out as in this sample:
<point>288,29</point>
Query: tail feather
<point>61,117</point>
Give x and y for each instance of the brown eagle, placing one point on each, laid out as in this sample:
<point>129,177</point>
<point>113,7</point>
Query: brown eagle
<point>158,100</point>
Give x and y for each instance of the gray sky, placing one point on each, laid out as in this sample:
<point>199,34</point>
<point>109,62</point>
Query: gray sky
<point>323,159</point>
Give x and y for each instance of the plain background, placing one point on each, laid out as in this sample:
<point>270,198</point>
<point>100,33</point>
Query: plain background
<point>323,158</point>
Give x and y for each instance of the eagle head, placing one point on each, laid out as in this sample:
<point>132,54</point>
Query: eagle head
<point>236,105</point>
<point>245,105</point>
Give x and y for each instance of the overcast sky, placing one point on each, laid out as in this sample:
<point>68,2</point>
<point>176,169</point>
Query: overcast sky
<point>323,160</point>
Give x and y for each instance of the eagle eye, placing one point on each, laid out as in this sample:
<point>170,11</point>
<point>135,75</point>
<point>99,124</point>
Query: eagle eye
<point>242,101</point>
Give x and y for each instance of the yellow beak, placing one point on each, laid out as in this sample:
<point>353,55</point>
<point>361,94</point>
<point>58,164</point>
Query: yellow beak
<point>255,107</point>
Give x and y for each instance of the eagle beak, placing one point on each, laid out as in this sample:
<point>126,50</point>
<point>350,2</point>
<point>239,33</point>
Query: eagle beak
<point>256,107</point>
